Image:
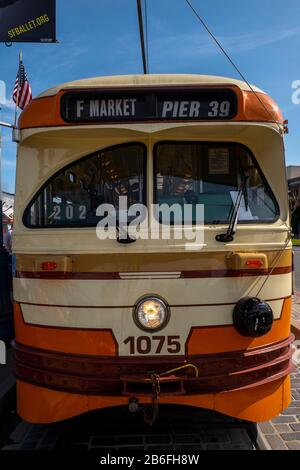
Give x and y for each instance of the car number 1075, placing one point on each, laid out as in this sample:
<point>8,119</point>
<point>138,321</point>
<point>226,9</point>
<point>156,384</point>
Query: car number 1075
<point>153,345</point>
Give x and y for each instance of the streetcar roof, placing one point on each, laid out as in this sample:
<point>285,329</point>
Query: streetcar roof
<point>254,105</point>
<point>149,80</point>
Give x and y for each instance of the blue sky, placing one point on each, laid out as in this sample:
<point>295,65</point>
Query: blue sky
<point>101,37</point>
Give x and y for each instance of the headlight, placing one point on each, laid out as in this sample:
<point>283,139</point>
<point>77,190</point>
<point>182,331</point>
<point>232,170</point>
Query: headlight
<point>151,313</point>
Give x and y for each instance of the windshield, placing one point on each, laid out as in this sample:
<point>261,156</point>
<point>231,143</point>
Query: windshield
<point>72,196</point>
<point>210,174</point>
<point>184,173</point>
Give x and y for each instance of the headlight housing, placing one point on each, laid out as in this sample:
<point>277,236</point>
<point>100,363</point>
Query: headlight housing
<point>252,317</point>
<point>151,313</point>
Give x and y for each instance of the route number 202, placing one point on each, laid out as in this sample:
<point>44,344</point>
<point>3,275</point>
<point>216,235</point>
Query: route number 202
<point>153,345</point>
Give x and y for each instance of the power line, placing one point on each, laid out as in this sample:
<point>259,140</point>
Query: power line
<point>231,61</point>
<point>147,43</point>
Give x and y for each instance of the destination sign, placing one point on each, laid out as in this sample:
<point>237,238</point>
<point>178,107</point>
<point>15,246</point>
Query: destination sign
<point>106,106</point>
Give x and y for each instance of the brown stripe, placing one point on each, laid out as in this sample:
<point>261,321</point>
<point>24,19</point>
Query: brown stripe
<point>235,272</point>
<point>131,306</point>
<point>105,376</point>
<point>155,262</point>
<point>57,275</point>
<point>216,273</point>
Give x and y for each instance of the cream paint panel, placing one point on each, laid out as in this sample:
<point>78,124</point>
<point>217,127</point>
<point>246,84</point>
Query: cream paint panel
<point>148,80</point>
<point>62,241</point>
<point>127,292</point>
<point>43,153</point>
<point>122,324</point>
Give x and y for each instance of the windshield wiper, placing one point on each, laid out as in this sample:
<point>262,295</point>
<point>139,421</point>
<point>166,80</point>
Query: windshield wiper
<point>234,215</point>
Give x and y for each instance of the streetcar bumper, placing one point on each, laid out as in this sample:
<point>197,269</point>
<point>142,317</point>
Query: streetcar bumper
<point>61,385</point>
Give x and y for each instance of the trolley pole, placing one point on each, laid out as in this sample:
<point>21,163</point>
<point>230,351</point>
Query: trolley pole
<point>142,37</point>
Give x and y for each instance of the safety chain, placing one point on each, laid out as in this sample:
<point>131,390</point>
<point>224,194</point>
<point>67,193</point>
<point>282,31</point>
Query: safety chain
<point>150,412</point>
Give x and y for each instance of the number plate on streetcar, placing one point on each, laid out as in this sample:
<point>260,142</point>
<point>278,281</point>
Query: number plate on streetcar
<point>153,345</point>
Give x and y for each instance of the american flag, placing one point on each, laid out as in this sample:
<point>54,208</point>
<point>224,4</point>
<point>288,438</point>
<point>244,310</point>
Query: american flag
<point>22,94</point>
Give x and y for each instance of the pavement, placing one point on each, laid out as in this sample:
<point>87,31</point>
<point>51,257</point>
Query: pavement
<point>7,383</point>
<point>296,315</point>
<point>283,432</point>
<point>116,429</point>
<point>296,251</point>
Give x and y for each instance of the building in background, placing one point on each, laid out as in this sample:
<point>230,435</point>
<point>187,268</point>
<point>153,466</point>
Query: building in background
<point>293,177</point>
<point>7,210</point>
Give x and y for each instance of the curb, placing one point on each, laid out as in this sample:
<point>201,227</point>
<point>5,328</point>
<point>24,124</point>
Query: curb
<point>295,324</point>
<point>295,329</point>
<point>261,440</point>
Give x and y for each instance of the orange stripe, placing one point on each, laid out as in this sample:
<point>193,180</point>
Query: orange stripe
<point>70,340</point>
<point>205,340</point>
<point>259,404</point>
<point>45,111</point>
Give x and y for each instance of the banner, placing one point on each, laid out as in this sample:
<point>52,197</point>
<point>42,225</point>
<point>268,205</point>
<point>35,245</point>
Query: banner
<point>27,21</point>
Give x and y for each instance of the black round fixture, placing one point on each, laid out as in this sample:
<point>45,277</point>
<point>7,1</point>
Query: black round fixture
<point>252,317</point>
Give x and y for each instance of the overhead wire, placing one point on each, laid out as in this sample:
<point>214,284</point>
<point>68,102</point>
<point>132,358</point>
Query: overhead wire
<point>232,62</point>
<point>281,128</point>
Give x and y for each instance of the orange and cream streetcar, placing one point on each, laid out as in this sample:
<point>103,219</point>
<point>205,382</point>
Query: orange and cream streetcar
<point>136,321</point>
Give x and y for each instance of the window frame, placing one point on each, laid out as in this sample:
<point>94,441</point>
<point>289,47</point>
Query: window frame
<point>218,143</point>
<point>26,212</point>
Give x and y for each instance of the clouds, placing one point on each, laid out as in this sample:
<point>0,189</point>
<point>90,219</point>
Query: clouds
<point>5,138</point>
<point>193,46</point>
<point>8,163</point>
<point>9,105</point>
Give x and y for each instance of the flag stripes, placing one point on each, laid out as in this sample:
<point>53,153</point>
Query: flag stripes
<point>22,94</point>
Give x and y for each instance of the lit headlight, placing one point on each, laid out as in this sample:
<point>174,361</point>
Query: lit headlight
<point>151,313</point>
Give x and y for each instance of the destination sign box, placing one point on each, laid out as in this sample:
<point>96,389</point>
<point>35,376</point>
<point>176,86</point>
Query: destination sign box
<point>107,106</point>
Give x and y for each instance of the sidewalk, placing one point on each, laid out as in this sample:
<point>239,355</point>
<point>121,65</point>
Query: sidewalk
<point>283,432</point>
<point>296,315</point>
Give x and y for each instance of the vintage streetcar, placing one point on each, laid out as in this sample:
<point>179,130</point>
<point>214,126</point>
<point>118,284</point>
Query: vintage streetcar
<point>103,322</point>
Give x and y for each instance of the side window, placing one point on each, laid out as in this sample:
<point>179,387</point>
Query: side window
<point>72,196</point>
